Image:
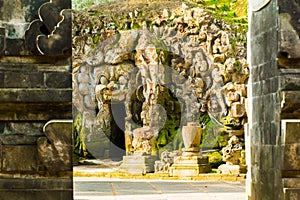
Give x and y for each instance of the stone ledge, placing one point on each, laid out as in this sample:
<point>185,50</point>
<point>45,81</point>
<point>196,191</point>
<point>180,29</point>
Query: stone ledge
<point>13,63</point>
<point>18,139</point>
<point>35,110</point>
<point>36,183</point>
<point>159,176</point>
<point>291,182</point>
<point>35,95</point>
<point>36,194</point>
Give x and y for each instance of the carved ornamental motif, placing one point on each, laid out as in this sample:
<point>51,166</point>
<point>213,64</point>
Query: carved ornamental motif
<point>45,29</point>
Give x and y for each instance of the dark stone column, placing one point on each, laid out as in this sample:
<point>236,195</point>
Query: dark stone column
<point>273,95</point>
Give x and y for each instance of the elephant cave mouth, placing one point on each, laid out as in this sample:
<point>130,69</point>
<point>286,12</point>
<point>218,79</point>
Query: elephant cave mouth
<point>117,136</point>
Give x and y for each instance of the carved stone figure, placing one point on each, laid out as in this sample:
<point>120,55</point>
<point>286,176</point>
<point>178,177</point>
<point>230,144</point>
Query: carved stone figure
<point>232,151</point>
<point>166,161</point>
<point>231,155</point>
<point>141,142</point>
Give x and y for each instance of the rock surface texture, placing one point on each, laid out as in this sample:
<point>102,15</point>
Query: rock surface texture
<point>165,66</point>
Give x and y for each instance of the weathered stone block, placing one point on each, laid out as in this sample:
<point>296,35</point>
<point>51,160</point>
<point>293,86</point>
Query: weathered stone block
<point>29,194</point>
<point>15,47</point>
<point>291,157</point>
<point>24,128</point>
<point>58,80</point>
<point>23,80</point>
<point>137,164</point>
<point>290,104</point>
<point>265,160</point>
<point>291,193</point>
<point>291,188</point>
<point>291,182</point>
<point>55,150</point>
<point>2,40</point>
<point>289,28</point>
<point>18,140</point>
<point>290,82</point>
<point>34,111</point>
<point>291,131</point>
<point>1,80</point>
<point>237,110</point>
<point>19,158</point>
<point>35,95</point>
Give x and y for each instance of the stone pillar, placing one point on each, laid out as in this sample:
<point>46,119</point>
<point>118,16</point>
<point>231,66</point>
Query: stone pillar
<point>273,55</point>
<point>35,88</point>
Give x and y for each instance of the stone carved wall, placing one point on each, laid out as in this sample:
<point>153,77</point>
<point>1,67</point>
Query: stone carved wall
<point>183,50</point>
<point>35,88</point>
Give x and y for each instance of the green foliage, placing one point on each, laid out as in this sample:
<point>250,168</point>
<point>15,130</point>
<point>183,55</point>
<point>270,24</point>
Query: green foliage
<point>206,122</point>
<point>170,128</point>
<point>232,11</point>
<point>82,4</point>
<point>215,159</point>
<point>79,148</point>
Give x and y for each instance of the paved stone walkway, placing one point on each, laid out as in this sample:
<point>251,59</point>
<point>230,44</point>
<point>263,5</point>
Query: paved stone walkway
<point>123,189</point>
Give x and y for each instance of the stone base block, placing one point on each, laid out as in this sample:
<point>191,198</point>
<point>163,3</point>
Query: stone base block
<point>137,164</point>
<point>228,169</point>
<point>291,188</point>
<point>190,166</point>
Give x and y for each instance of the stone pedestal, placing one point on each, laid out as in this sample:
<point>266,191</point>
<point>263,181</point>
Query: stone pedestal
<point>186,166</point>
<point>191,163</point>
<point>138,164</point>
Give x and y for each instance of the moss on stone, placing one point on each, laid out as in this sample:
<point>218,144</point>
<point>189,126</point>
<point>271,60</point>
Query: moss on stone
<point>79,148</point>
<point>215,159</point>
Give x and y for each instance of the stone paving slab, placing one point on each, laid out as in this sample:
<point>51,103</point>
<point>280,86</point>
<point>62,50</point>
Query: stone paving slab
<point>89,188</point>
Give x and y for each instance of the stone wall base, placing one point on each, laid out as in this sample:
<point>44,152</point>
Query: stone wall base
<point>36,188</point>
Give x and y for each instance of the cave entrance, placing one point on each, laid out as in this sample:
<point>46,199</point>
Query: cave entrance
<point>117,137</point>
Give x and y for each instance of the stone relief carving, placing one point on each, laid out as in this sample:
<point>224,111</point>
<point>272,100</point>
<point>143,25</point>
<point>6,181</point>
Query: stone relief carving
<point>196,64</point>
